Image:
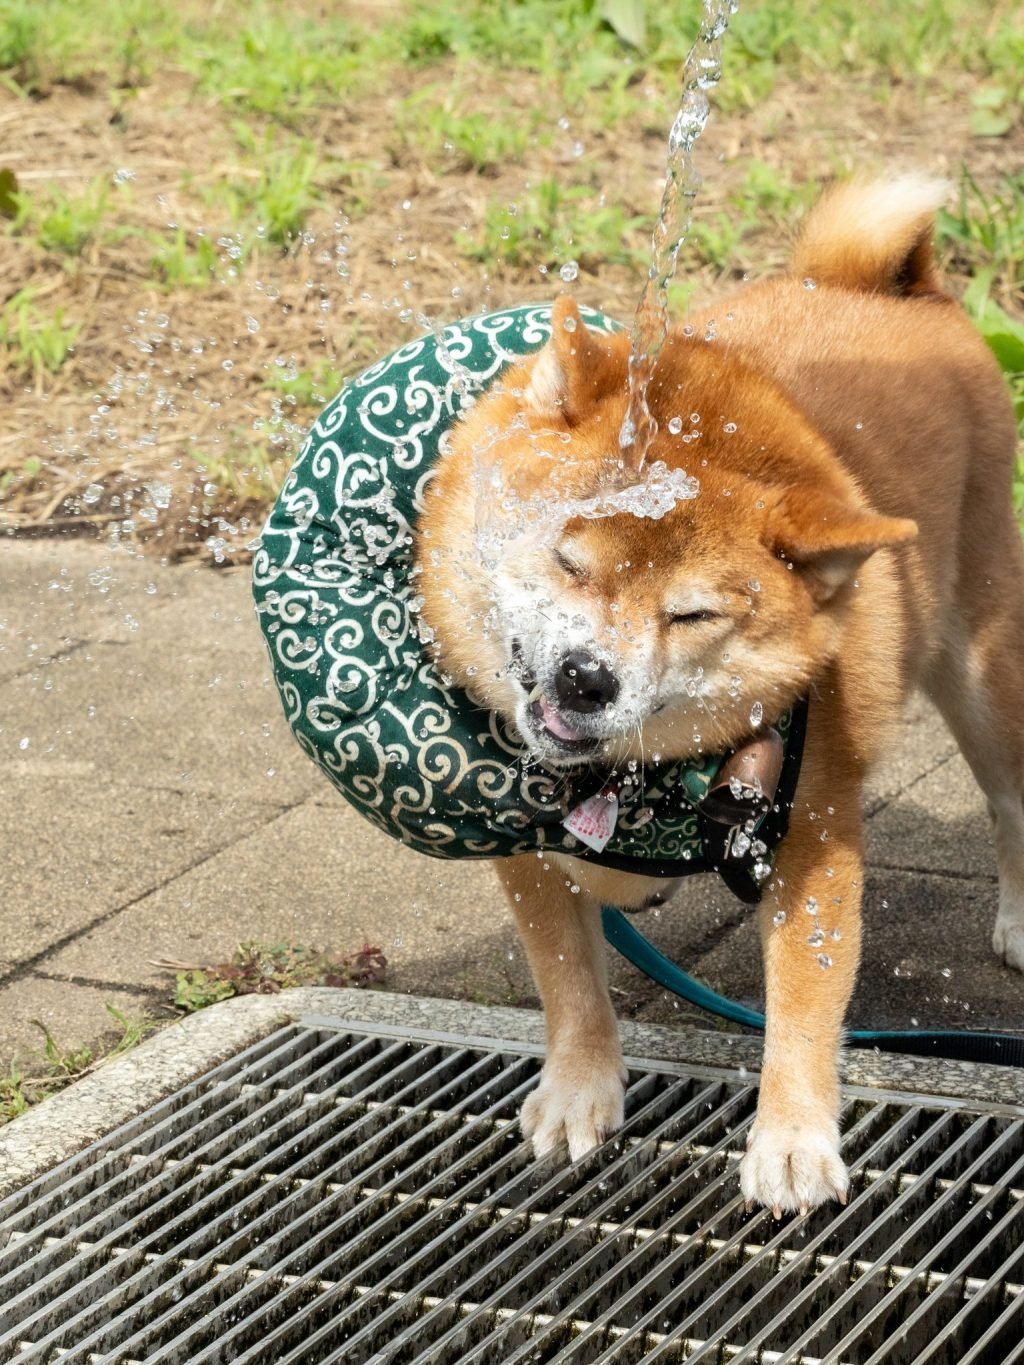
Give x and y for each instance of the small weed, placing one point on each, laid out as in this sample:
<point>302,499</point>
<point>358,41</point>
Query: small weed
<point>987,230</point>
<point>266,968</point>
<point>281,65</point>
<point>311,387</point>
<point>1005,338</point>
<point>555,221</point>
<point>20,40</point>
<point>34,342</point>
<point>767,193</point>
<point>185,260</point>
<point>60,222</point>
<point>20,477</point>
<point>279,196</point>
<point>26,1083</point>
<point>435,121</point>
<point>244,469</point>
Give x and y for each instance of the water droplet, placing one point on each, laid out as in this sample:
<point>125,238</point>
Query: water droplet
<point>93,493</point>
<point>779,917</point>
<point>809,284</point>
<point>569,271</point>
<point>23,744</point>
<point>729,428</point>
<point>675,425</point>
<point>252,324</point>
<point>824,961</point>
<point>756,713</point>
<point>811,906</point>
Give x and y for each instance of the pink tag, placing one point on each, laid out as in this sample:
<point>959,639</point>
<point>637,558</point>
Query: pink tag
<point>593,821</point>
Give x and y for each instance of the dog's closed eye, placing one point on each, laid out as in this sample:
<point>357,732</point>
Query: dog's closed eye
<point>570,566</point>
<point>690,618</point>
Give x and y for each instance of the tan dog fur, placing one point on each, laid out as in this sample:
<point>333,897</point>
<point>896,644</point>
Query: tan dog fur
<point>865,491</point>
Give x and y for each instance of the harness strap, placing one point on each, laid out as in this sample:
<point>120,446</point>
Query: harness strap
<point>1003,1049</point>
<point>735,871</point>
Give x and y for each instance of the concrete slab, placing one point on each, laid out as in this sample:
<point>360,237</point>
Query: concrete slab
<point>939,823</point>
<point>927,956</point>
<point>321,876</point>
<point>76,849</point>
<point>922,743</point>
<point>168,710</point>
<point>58,593</point>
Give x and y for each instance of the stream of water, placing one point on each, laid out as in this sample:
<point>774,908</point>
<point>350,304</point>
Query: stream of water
<point>701,72</point>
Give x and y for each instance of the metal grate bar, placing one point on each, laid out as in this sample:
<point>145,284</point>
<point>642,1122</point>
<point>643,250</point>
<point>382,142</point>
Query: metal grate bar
<point>354,1194</point>
<point>893,1304</point>
<point>352,1214</point>
<point>553,1255</point>
<point>798,1294</point>
<point>238,1219</point>
<point>983,1294</point>
<point>617,1229</point>
<point>458,1229</point>
<point>206,1112</point>
<point>79,1171</point>
<point>163,1193</point>
<point>629,1270</point>
<point>381,1208</point>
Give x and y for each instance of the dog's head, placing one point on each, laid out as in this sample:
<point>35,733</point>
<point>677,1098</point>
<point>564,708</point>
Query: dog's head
<point>615,619</point>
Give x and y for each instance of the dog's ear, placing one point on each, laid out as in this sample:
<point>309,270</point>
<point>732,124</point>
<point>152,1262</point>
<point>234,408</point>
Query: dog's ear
<point>828,540</point>
<point>575,368</point>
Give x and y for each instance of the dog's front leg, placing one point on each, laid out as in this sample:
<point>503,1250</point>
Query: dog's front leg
<point>810,930</point>
<point>579,1098</point>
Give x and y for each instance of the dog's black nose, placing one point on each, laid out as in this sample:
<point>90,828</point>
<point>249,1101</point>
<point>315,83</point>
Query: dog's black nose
<point>583,683</point>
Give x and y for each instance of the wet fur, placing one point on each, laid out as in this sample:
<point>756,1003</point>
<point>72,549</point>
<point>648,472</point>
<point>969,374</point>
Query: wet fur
<point>866,489</point>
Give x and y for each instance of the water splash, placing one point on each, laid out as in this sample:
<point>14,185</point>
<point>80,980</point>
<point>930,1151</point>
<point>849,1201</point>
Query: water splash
<point>702,72</point>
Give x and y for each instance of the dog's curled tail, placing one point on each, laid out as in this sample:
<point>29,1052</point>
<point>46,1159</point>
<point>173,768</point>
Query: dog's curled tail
<point>874,235</point>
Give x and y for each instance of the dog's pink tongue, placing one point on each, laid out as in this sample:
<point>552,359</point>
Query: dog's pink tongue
<point>554,722</point>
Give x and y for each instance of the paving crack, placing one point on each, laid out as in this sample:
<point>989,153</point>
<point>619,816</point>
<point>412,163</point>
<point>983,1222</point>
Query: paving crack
<point>953,874</point>
<point>121,987</point>
<point>882,803</point>
<point>27,965</point>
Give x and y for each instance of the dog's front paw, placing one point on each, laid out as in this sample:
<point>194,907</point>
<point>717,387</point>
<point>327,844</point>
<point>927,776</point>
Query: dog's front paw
<point>793,1167</point>
<point>1008,941</point>
<point>576,1102</point>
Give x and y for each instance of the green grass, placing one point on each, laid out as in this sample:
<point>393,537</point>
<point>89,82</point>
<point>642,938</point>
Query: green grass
<point>29,1079</point>
<point>472,90</point>
<point>308,387</point>
<point>61,222</point>
<point>185,260</point>
<point>986,232</point>
<point>266,968</point>
<point>288,62</point>
<point>554,222</point>
<point>35,341</point>
<point>274,201</point>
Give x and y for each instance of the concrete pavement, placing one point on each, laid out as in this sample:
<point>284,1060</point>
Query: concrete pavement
<point>155,806</point>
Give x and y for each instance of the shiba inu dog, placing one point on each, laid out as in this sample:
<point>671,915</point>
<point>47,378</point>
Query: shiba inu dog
<point>825,512</point>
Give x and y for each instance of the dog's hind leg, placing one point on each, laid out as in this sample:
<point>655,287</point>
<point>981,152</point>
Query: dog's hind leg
<point>977,682</point>
<point>579,1100</point>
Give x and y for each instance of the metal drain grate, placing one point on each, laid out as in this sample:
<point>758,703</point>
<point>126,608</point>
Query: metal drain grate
<point>341,1193</point>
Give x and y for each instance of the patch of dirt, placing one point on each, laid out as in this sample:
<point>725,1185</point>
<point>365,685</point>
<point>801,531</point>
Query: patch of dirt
<point>162,376</point>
